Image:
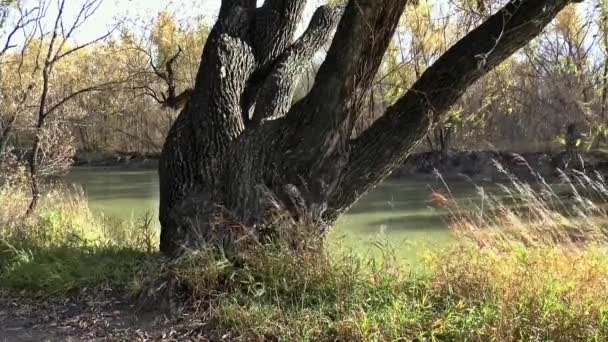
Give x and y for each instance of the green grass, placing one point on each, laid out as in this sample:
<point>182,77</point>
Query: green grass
<point>462,294</point>
<point>64,248</point>
<point>61,270</point>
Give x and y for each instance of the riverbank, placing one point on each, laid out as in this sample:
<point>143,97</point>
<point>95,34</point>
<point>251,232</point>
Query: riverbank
<point>480,166</point>
<point>499,167</point>
<point>116,159</point>
<point>507,276</point>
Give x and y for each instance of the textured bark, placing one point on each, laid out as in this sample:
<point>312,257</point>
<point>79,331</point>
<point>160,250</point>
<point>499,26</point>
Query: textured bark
<point>239,150</point>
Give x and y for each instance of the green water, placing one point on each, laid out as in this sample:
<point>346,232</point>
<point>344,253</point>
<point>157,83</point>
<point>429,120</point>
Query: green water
<point>396,211</point>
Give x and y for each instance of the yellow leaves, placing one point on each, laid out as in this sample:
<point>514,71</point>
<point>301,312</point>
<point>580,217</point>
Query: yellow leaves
<point>427,34</point>
<point>569,24</point>
<point>335,3</point>
<point>164,34</point>
<point>168,35</point>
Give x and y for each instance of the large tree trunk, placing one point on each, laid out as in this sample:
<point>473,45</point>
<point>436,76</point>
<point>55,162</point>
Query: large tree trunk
<point>239,151</point>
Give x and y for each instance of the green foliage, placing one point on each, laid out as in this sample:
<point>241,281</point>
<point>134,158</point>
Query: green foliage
<point>51,271</point>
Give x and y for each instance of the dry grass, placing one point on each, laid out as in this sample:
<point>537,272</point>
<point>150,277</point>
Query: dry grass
<point>571,214</point>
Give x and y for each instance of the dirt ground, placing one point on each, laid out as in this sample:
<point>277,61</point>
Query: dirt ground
<point>100,316</point>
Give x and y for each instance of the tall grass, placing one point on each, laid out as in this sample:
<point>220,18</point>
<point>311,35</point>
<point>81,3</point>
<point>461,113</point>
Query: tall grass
<point>528,264</point>
<point>571,213</point>
<point>538,253</point>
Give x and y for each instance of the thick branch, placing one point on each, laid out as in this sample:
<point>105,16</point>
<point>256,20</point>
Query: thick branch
<point>226,65</point>
<point>321,124</point>
<point>275,97</point>
<point>358,48</point>
<point>276,24</point>
<point>228,6</point>
<point>388,141</point>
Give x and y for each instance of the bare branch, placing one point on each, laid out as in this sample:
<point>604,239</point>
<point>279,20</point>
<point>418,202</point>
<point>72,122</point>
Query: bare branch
<point>25,20</point>
<point>170,99</point>
<point>82,46</point>
<point>87,9</point>
<point>73,95</point>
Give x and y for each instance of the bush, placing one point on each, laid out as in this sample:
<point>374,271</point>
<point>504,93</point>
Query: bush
<point>530,264</point>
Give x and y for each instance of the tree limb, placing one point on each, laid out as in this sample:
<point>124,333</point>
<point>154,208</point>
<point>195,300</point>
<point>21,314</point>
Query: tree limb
<point>356,53</point>
<point>97,87</point>
<point>170,99</point>
<point>276,24</point>
<point>389,140</point>
<point>275,96</point>
<point>25,20</point>
<point>322,123</point>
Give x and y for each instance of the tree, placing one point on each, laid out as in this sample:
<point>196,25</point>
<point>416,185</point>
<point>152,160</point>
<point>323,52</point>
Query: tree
<point>32,91</point>
<point>50,55</point>
<point>239,150</point>
<point>14,96</point>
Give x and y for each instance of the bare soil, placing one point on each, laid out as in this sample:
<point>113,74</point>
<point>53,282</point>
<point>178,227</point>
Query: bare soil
<point>92,316</point>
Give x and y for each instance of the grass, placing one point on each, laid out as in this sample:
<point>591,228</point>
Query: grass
<point>533,267</point>
<point>463,295</point>
<point>65,248</point>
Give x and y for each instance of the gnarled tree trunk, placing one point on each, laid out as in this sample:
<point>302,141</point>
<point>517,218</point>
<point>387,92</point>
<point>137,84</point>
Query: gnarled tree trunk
<point>239,149</point>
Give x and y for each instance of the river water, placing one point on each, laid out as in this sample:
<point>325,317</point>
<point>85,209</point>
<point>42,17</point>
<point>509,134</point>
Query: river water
<point>396,211</point>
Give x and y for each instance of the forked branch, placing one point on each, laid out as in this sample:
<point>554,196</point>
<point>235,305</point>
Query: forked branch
<point>275,97</point>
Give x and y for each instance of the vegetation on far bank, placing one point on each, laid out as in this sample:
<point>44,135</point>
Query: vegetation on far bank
<point>535,269</point>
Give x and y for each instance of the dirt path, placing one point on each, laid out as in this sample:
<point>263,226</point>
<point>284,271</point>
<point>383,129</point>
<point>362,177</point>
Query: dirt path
<point>102,316</point>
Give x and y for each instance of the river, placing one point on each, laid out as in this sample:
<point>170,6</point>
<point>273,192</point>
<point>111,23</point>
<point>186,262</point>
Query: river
<point>396,211</point>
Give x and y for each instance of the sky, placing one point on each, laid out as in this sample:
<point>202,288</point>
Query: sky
<point>146,9</point>
<point>139,12</point>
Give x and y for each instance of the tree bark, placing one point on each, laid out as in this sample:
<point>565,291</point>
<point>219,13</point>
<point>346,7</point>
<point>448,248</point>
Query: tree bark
<point>240,155</point>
